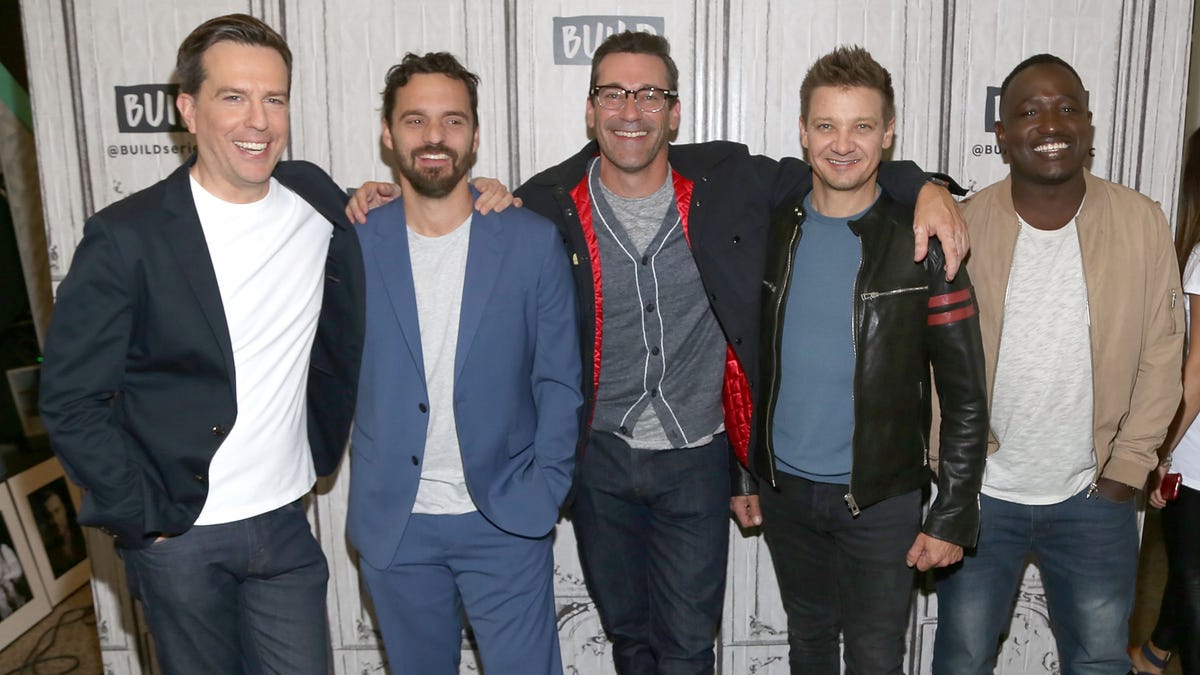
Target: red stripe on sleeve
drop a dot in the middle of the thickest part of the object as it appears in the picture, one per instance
(949, 298)
(953, 315)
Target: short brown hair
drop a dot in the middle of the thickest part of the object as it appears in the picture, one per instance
(849, 67)
(636, 42)
(433, 63)
(242, 29)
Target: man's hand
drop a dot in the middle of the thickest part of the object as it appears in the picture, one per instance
(493, 196)
(1154, 496)
(937, 215)
(928, 552)
(371, 195)
(745, 510)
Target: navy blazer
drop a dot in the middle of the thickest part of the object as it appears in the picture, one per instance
(137, 388)
(516, 387)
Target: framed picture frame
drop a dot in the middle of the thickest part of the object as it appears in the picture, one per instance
(23, 385)
(48, 504)
(23, 599)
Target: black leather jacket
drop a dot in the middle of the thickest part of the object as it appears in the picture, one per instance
(907, 317)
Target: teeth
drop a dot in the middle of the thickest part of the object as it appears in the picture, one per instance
(630, 134)
(435, 157)
(1050, 147)
(843, 162)
(251, 147)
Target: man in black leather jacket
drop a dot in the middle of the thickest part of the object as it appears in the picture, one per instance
(841, 429)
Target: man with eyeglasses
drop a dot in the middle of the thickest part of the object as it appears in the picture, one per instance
(667, 247)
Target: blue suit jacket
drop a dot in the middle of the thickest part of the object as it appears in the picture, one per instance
(517, 393)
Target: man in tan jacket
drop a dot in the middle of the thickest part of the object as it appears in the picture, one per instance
(1081, 314)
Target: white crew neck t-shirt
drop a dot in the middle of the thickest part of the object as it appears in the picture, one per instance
(269, 260)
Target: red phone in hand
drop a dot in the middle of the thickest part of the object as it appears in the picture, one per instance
(1168, 489)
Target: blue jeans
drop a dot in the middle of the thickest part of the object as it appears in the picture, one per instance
(1087, 551)
(241, 597)
(446, 564)
(653, 533)
(840, 574)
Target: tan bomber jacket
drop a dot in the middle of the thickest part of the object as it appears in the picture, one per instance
(1135, 301)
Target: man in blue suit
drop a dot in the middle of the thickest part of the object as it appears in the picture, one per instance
(469, 399)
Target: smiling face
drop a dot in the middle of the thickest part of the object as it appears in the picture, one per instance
(845, 134)
(1045, 128)
(632, 143)
(432, 134)
(240, 118)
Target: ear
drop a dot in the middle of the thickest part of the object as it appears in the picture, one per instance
(673, 118)
(803, 134)
(475, 143)
(999, 129)
(589, 115)
(889, 133)
(186, 105)
(386, 135)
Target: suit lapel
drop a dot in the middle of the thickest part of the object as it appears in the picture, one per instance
(186, 239)
(390, 259)
(484, 254)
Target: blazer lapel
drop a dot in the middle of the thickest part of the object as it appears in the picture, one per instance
(186, 239)
(484, 254)
(389, 253)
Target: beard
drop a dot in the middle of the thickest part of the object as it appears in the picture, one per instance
(437, 182)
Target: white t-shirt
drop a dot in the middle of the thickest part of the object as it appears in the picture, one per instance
(269, 259)
(1186, 456)
(1042, 395)
(439, 266)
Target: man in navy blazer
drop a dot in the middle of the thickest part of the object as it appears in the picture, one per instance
(201, 370)
(464, 439)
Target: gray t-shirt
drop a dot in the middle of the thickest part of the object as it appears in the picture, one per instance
(1042, 395)
(439, 266)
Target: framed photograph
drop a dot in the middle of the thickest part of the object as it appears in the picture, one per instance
(47, 504)
(23, 600)
(23, 385)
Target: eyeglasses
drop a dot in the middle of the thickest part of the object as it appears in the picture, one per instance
(647, 99)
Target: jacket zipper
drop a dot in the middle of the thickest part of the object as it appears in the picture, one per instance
(1087, 303)
(871, 295)
(849, 498)
(781, 300)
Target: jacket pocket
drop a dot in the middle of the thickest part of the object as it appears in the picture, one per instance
(520, 439)
(362, 444)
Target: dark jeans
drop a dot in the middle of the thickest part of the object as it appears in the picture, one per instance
(653, 532)
(241, 597)
(1086, 549)
(1178, 626)
(841, 575)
